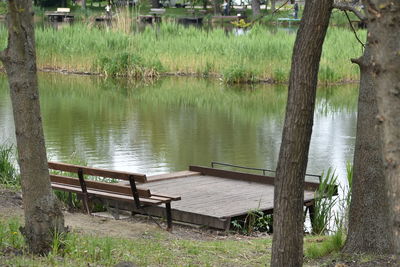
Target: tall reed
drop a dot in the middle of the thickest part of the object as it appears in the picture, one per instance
(325, 199)
(260, 53)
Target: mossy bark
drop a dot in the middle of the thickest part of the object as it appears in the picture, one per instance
(383, 39)
(43, 215)
(369, 230)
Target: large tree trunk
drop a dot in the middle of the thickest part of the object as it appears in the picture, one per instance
(43, 215)
(84, 4)
(273, 5)
(369, 212)
(384, 35)
(255, 7)
(287, 246)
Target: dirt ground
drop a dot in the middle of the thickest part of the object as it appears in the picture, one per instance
(131, 227)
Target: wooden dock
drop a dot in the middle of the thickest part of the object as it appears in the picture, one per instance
(190, 20)
(212, 197)
(149, 19)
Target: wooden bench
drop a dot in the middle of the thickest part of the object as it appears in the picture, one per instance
(157, 11)
(139, 197)
(63, 10)
(61, 14)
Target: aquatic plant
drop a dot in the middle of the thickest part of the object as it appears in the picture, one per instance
(260, 53)
(128, 65)
(255, 220)
(325, 199)
(238, 74)
(9, 175)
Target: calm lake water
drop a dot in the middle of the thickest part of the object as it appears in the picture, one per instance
(175, 122)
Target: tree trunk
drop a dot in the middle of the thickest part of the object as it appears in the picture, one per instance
(369, 212)
(287, 246)
(384, 35)
(43, 214)
(272, 5)
(255, 7)
(84, 4)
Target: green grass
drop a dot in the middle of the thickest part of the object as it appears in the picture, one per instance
(152, 249)
(9, 175)
(259, 55)
(320, 246)
(3, 8)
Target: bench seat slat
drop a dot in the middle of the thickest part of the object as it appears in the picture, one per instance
(171, 197)
(109, 195)
(97, 172)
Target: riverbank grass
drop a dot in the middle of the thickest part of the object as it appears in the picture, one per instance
(259, 55)
(158, 248)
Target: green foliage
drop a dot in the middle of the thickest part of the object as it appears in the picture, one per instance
(280, 75)
(238, 74)
(10, 236)
(316, 249)
(255, 221)
(328, 74)
(9, 175)
(128, 65)
(325, 199)
(3, 8)
(349, 172)
(260, 54)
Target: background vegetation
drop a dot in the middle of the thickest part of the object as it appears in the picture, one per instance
(171, 48)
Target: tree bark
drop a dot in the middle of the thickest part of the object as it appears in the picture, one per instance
(383, 38)
(368, 230)
(84, 4)
(255, 7)
(273, 5)
(43, 214)
(287, 246)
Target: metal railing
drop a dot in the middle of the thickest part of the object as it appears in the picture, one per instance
(213, 163)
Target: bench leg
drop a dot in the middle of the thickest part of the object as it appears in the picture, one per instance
(169, 216)
(85, 200)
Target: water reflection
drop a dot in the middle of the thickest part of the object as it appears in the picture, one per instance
(168, 125)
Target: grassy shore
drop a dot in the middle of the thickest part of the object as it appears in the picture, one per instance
(155, 248)
(171, 48)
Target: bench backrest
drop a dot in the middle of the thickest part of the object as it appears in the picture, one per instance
(141, 178)
(109, 187)
(63, 9)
